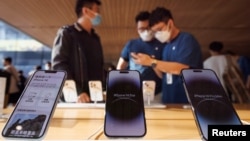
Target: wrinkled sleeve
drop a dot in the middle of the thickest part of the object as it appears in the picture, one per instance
(61, 52)
(190, 54)
(125, 51)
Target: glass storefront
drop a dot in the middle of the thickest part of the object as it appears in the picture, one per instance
(26, 53)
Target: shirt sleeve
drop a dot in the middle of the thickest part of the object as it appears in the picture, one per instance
(190, 52)
(126, 51)
(60, 52)
(244, 64)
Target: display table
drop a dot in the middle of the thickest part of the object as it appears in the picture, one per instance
(172, 122)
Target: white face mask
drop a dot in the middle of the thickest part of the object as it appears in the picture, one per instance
(163, 36)
(146, 35)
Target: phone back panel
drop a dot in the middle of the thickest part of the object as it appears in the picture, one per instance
(95, 89)
(124, 105)
(209, 101)
(69, 91)
(148, 90)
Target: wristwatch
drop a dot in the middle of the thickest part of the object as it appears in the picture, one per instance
(154, 63)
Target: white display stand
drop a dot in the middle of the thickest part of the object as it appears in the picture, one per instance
(3, 81)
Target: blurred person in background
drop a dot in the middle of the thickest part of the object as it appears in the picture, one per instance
(217, 61)
(22, 81)
(13, 92)
(35, 68)
(147, 44)
(243, 64)
(77, 48)
(47, 66)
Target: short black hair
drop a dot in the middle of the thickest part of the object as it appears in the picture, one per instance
(159, 14)
(84, 3)
(142, 16)
(216, 46)
(48, 62)
(20, 71)
(8, 59)
(38, 67)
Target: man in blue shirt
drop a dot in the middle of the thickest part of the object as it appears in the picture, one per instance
(243, 63)
(181, 51)
(145, 44)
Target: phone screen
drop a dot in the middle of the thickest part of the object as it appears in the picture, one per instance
(35, 106)
(210, 103)
(124, 105)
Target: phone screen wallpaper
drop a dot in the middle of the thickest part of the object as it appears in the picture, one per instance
(210, 102)
(124, 106)
(26, 125)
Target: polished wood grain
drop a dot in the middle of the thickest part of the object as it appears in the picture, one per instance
(169, 112)
(83, 129)
(165, 130)
(170, 123)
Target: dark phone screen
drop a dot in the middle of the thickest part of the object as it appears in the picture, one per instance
(124, 105)
(34, 109)
(211, 105)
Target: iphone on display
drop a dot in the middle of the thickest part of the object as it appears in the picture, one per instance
(125, 116)
(35, 107)
(95, 89)
(69, 91)
(148, 90)
(209, 101)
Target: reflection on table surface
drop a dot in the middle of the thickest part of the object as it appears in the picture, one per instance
(84, 121)
(102, 105)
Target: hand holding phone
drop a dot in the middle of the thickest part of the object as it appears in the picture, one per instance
(35, 107)
(209, 101)
(125, 116)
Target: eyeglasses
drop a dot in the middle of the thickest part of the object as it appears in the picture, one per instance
(163, 27)
(160, 27)
(142, 29)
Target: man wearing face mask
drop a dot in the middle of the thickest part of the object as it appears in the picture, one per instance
(181, 51)
(77, 48)
(145, 44)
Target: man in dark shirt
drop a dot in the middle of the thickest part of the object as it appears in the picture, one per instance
(77, 48)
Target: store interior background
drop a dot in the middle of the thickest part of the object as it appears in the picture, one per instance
(221, 20)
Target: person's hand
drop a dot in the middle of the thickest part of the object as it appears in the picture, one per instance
(83, 98)
(141, 59)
